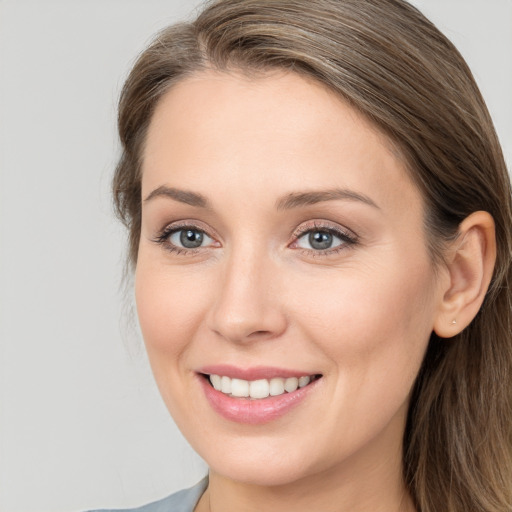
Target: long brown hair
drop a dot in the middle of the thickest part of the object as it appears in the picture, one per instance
(392, 65)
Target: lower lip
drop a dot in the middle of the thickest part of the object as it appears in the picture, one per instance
(254, 412)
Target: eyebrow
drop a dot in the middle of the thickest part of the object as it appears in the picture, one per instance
(289, 201)
(183, 196)
(298, 199)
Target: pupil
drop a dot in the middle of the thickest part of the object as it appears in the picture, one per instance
(320, 240)
(191, 239)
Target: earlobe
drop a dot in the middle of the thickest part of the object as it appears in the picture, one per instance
(470, 266)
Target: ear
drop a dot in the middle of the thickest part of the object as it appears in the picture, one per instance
(470, 265)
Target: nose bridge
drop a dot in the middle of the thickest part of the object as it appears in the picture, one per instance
(246, 306)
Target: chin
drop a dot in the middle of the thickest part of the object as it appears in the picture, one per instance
(267, 473)
(264, 463)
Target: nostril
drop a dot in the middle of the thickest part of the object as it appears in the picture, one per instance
(259, 333)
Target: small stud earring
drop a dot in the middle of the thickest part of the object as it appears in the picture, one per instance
(454, 322)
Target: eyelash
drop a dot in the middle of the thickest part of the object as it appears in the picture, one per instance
(348, 238)
(163, 238)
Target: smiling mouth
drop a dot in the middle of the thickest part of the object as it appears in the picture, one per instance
(258, 389)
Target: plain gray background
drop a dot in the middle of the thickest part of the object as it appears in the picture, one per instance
(81, 422)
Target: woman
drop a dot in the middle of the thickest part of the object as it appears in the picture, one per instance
(319, 219)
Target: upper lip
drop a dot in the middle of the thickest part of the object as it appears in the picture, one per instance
(253, 373)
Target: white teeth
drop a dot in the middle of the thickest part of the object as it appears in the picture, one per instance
(303, 381)
(239, 388)
(260, 388)
(291, 384)
(216, 381)
(276, 387)
(225, 385)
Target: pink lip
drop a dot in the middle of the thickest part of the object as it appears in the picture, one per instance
(255, 373)
(253, 412)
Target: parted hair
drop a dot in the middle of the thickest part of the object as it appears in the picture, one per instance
(398, 70)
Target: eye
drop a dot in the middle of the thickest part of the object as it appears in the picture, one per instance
(189, 238)
(318, 240)
(184, 239)
(323, 238)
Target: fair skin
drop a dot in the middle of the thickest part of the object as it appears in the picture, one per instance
(242, 271)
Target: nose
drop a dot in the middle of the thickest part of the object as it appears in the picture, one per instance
(247, 304)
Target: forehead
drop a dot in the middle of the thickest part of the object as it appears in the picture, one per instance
(266, 133)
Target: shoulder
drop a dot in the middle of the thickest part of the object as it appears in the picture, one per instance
(181, 501)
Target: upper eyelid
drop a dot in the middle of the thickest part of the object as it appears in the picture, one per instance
(184, 224)
(318, 225)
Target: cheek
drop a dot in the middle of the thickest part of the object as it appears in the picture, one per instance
(170, 308)
(374, 328)
(358, 305)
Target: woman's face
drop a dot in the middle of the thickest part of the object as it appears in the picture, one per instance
(281, 238)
